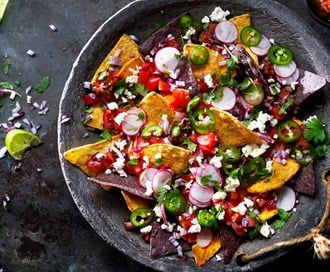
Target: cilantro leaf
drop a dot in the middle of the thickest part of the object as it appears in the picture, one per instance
(43, 84)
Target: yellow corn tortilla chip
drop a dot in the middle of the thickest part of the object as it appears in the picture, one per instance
(267, 214)
(202, 255)
(80, 155)
(282, 174)
(95, 118)
(231, 131)
(211, 67)
(155, 107)
(132, 64)
(241, 21)
(133, 202)
(128, 50)
(170, 156)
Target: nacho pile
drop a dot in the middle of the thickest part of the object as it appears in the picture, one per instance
(199, 144)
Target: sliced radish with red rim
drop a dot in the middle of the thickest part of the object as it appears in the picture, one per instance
(291, 79)
(209, 175)
(262, 48)
(200, 196)
(286, 198)
(227, 101)
(167, 59)
(205, 237)
(146, 176)
(132, 123)
(285, 70)
(161, 178)
(226, 32)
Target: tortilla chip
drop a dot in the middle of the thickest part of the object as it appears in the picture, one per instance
(95, 118)
(202, 255)
(212, 65)
(282, 174)
(231, 131)
(241, 21)
(267, 214)
(155, 107)
(304, 181)
(170, 156)
(134, 202)
(128, 50)
(80, 155)
(230, 242)
(132, 64)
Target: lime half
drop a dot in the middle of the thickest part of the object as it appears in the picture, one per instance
(17, 141)
(3, 5)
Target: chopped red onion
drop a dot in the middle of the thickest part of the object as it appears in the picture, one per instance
(65, 119)
(28, 89)
(87, 85)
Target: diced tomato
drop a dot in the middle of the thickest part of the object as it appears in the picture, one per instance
(180, 99)
(172, 43)
(185, 220)
(275, 112)
(153, 82)
(147, 69)
(91, 99)
(207, 142)
(134, 169)
(202, 86)
(95, 166)
(164, 87)
(207, 35)
(239, 229)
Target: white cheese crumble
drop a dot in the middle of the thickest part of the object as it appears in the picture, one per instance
(240, 208)
(260, 122)
(112, 106)
(219, 196)
(216, 161)
(191, 31)
(266, 230)
(146, 229)
(120, 117)
(205, 20)
(218, 14)
(208, 80)
(231, 184)
(254, 150)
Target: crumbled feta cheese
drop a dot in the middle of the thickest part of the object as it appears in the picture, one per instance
(219, 196)
(205, 20)
(240, 208)
(158, 211)
(231, 184)
(145, 162)
(120, 118)
(260, 122)
(216, 161)
(254, 150)
(218, 14)
(248, 202)
(266, 230)
(146, 229)
(208, 80)
(120, 144)
(158, 156)
(169, 227)
(118, 165)
(112, 106)
(269, 166)
(195, 228)
(191, 31)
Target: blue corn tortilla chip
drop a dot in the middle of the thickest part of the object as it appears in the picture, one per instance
(230, 242)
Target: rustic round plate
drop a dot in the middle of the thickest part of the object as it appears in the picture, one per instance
(106, 211)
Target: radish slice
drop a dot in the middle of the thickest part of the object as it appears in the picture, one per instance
(285, 70)
(228, 99)
(146, 176)
(133, 121)
(200, 196)
(226, 32)
(211, 173)
(262, 48)
(204, 238)
(166, 60)
(291, 79)
(286, 198)
(160, 179)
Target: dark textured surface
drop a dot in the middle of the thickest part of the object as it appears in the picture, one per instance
(43, 230)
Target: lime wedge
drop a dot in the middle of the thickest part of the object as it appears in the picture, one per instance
(17, 141)
(3, 5)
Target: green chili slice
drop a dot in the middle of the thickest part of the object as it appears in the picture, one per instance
(303, 155)
(253, 171)
(207, 218)
(254, 94)
(141, 217)
(202, 120)
(199, 55)
(289, 131)
(229, 153)
(280, 54)
(151, 131)
(175, 202)
(250, 36)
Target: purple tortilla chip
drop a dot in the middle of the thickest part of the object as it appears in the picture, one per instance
(304, 180)
(156, 40)
(160, 244)
(309, 83)
(127, 184)
(186, 75)
(230, 242)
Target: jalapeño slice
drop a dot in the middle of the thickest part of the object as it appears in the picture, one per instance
(280, 54)
(202, 120)
(152, 131)
(253, 171)
(175, 202)
(141, 217)
(303, 155)
(229, 153)
(250, 36)
(289, 131)
(207, 218)
(199, 55)
(254, 94)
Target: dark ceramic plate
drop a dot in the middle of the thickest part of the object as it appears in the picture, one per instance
(317, 12)
(106, 211)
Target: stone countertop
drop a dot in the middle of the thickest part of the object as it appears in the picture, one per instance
(41, 229)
